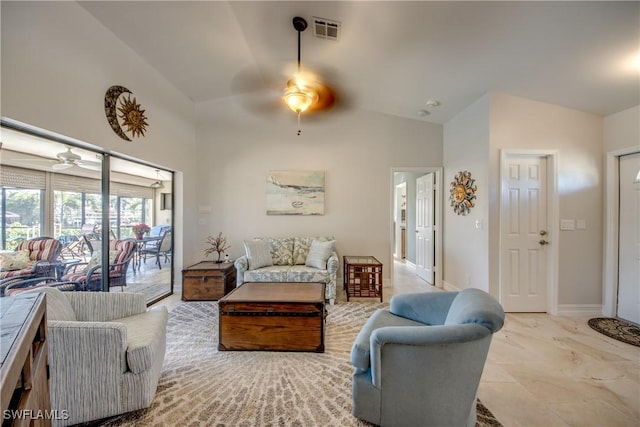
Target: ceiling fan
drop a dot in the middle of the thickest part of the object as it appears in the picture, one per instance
(303, 92)
(69, 159)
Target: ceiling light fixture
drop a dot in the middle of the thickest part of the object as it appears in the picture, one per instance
(432, 103)
(299, 95)
(157, 184)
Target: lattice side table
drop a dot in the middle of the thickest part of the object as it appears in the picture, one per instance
(362, 277)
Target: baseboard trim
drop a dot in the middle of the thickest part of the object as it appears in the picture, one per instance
(594, 310)
(449, 287)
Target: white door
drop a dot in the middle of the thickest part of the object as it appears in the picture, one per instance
(399, 219)
(629, 239)
(524, 237)
(424, 228)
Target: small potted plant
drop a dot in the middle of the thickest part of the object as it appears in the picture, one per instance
(140, 229)
(217, 244)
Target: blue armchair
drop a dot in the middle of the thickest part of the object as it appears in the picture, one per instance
(420, 362)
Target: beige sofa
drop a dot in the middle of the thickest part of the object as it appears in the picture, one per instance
(290, 259)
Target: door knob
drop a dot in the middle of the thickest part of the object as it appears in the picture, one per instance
(543, 232)
(543, 242)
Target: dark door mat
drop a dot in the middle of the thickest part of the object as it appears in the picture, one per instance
(617, 329)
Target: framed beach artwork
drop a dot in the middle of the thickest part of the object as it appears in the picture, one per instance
(295, 193)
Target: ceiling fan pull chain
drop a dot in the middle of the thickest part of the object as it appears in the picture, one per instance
(299, 131)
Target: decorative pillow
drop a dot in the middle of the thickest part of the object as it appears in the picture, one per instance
(14, 260)
(319, 253)
(301, 247)
(96, 258)
(258, 253)
(282, 250)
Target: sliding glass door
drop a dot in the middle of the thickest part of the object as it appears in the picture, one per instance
(49, 188)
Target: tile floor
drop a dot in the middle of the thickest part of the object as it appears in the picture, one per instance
(546, 370)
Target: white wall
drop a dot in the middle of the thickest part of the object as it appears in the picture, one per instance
(519, 123)
(473, 140)
(356, 149)
(622, 130)
(466, 147)
(57, 64)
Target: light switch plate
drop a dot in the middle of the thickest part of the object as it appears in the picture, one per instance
(567, 224)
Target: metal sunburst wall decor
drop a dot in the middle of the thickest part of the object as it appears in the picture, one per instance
(129, 111)
(462, 192)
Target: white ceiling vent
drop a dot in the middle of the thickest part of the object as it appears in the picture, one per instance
(325, 28)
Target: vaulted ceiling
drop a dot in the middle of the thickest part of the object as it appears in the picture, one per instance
(391, 57)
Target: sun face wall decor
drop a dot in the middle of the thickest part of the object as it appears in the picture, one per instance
(130, 113)
(462, 192)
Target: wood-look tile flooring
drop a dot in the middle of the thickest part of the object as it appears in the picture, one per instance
(545, 370)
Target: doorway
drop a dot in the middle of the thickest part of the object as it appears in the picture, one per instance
(628, 302)
(622, 258)
(404, 181)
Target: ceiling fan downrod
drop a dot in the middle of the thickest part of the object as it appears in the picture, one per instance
(300, 24)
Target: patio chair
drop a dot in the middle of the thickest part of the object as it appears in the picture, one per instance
(71, 246)
(32, 258)
(162, 248)
(16, 285)
(156, 231)
(89, 275)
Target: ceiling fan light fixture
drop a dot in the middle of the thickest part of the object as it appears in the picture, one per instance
(299, 99)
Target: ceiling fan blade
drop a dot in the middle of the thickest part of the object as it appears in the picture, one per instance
(89, 164)
(61, 166)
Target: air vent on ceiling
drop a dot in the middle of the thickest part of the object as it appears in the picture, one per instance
(325, 28)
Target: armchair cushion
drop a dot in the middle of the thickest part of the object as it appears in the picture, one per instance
(430, 308)
(143, 331)
(58, 306)
(41, 248)
(96, 259)
(94, 307)
(319, 253)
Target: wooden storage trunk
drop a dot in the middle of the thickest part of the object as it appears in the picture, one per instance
(207, 281)
(273, 316)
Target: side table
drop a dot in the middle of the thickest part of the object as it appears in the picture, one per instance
(208, 280)
(362, 277)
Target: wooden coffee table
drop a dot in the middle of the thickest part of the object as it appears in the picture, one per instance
(273, 317)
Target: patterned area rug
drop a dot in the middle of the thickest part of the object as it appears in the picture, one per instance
(201, 386)
(617, 329)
